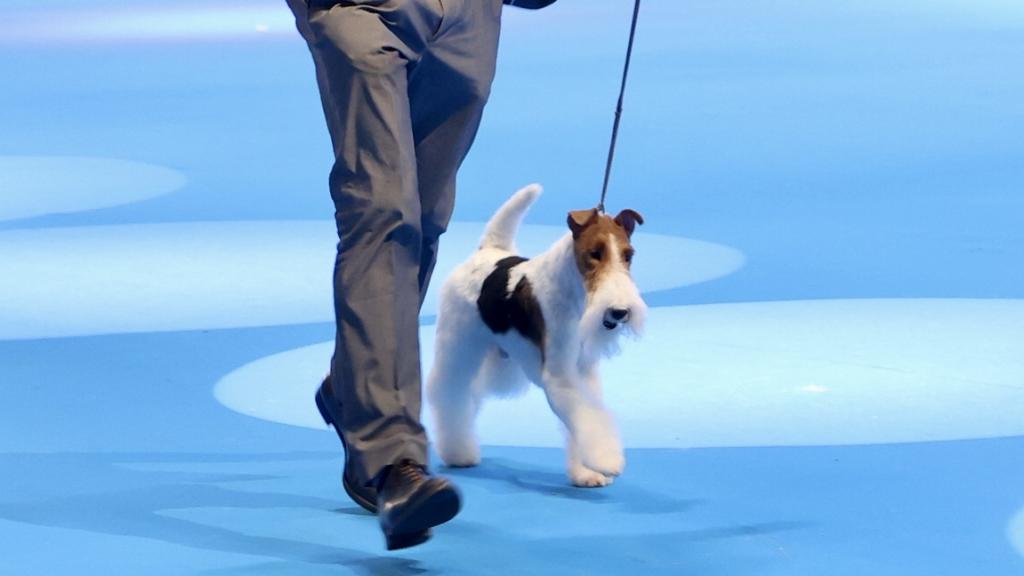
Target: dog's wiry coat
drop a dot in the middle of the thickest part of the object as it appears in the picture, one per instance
(505, 320)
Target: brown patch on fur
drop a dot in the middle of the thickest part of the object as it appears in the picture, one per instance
(593, 233)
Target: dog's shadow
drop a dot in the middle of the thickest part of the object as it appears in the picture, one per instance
(526, 478)
(500, 473)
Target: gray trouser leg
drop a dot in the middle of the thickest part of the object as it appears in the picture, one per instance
(448, 91)
(403, 84)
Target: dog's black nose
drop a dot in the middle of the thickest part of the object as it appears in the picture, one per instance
(619, 313)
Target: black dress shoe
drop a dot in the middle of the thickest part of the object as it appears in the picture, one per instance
(365, 496)
(411, 501)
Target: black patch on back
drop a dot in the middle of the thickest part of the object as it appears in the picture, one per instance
(502, 311)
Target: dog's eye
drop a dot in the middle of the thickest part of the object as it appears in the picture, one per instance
(628, 256)
(596, 255)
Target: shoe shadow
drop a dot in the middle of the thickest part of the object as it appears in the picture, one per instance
(354, 511)
(185, 500)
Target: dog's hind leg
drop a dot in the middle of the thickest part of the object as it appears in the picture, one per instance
(500, 376)
(453, 401)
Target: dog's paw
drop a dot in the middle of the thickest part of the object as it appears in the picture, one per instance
(585, 478)
(459, 455)
(609, 459)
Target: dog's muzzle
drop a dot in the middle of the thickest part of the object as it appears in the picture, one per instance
(615, 316)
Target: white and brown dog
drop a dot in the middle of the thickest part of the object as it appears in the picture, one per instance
(505, 320)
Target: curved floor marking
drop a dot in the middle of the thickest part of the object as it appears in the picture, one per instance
(207, 275)
(40, 185)
(142, 23)
(1015, 531)
(756, 374)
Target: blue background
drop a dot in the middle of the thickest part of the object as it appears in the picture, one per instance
(862, 149)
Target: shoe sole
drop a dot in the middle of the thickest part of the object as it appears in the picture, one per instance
(425, 512)
(361, 500)
(399, 541)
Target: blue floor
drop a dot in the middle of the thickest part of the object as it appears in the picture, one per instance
(833, 382)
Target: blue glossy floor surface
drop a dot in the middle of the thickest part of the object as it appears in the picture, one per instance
(832, 382)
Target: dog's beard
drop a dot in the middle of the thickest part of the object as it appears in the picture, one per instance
(616, 291)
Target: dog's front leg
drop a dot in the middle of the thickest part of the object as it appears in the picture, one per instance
(593, 438)
(579, 474)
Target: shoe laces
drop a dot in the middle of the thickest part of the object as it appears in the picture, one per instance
(405, 472)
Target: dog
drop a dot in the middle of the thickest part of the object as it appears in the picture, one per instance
(505, 321)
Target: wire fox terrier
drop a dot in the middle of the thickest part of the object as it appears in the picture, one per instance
(505, 320)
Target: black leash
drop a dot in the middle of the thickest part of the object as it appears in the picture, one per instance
(618, 109)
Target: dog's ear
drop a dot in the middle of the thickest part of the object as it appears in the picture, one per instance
(579, 219)
(628, 219)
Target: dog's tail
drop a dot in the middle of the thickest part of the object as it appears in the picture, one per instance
(501, 230)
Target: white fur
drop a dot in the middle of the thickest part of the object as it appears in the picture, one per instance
(471, 362)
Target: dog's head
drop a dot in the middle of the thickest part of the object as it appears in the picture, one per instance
(604, 255)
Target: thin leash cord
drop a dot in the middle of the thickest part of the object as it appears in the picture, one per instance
(618, 108)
